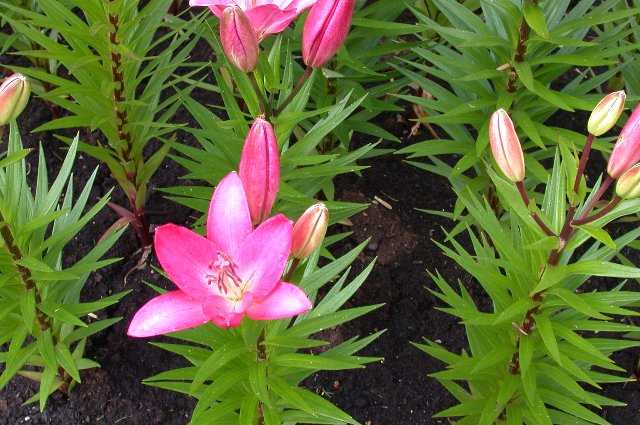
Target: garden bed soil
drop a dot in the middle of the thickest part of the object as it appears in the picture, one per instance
(395, 392)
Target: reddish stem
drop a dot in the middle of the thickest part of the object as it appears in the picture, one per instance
(604, 211)
(584, 158)
(534, 215)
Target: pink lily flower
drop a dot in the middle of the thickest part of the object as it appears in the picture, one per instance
(233, 272)
(266, 16)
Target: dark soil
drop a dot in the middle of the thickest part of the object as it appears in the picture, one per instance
(396, 392)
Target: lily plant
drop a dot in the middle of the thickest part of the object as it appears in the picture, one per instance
(239, 290)
(543, 351)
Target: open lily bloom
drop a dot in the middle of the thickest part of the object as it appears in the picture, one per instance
(233, 272)
(266, 16)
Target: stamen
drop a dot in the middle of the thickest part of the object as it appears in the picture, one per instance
(223, 271)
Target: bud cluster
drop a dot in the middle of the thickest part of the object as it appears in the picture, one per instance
(243, 25)
(260, 176)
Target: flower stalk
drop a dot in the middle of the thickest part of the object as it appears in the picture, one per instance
(296, 89)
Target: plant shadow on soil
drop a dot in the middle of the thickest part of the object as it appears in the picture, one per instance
(394, 392)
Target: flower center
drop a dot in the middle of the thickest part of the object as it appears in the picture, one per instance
(225, 277)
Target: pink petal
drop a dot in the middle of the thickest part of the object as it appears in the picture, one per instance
(170, 312)
(186, 256)
(263, 255)
(626, 152)
(225, 313)
(229, 221)
(301, 5)
(285, 301)
(270, 19)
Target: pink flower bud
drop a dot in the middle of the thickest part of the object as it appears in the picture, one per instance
(606, 113)
(626, 152)
(309, 231)
(239, 39)
(14, 95)
(505, 146)
(628, 185)
(326, 30)
(260, 169)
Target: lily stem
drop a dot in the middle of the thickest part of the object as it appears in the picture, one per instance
(567, 230)
(294, 266)
(265, 107)
(584, 158)
(296, 89)
(604, 211)
(525, 198)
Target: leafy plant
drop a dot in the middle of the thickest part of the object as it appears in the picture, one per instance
(315, 113)
(541, 351)
(43, 325)
(254, 371)
(522, 57)
(245, 277)
(115, 74)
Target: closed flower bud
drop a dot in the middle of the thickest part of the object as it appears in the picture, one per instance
(505, 146)
(606, 113)
(14, 95)
(626, 152)
(260, 169)
(628, 185)
(309, 231)
(239, 39)
(325, 30)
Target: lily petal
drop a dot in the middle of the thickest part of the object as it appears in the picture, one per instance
(186, 256)
(285, 301)
(229, 221)
(263, 255)
(170, 312)
(270, 19)
(225, 313)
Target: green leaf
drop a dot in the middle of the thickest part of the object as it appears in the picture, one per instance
(543, 324)
(66, 360)
(578, 303)
(315, 362)
(218, 359)
(535, 18)
(599, 234)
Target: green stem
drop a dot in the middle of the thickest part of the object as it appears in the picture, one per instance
(265, 106)
(294, 266)
(303, 79)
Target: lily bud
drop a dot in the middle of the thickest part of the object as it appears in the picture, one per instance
(626, 152)
(628, 185)
(325, 30)
(606, 113)
(260, 169)
(14, 95)
(309, 231)
(505, 146)
(239, 39)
